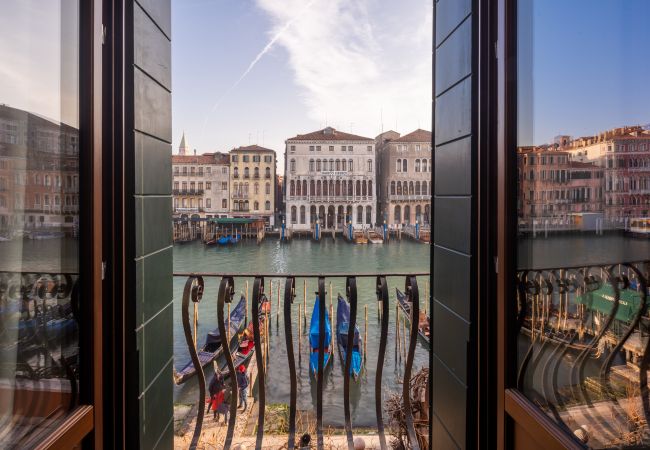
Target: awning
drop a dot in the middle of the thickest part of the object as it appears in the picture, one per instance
(602, 300)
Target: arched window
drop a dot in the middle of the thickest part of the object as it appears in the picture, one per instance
(405, 188)
(312, 187)
(405, 166)
(267, 205)
(427, 214)
(399, 165)
(418, 213)
(368, 215)
(337, 188)
(235, 172)
(318, 167)
(424, 165)
(331, 164)
(407, 214)
(312, 213)
(292, 189)
(424, 188)
(397, 218)
(359, 214)
(392, 188)
(256, 206)
(302, 214)
(350, 193)
(325, 190)
(256, 188)
(364, 188)
(267, 172)
(417, 188)
(370, 165)
(293, 214)
(344, 165)
(350, 166)
(417, 165)
(246, 205)
(292, 166)
(369, 188)
(268, 189)
(338, 165)
(304, 188)
(256, 172)
(311, 165)
(246, 172)
(298, 188)
(358, 188)
(411, 188)
(318, 188)
(245, 188)
(399, 188)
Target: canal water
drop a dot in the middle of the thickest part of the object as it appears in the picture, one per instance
(305, 256)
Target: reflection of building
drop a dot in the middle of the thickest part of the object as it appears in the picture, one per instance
(279, 199)
(200, 184)
(623, 154)
(608, 173)
(330, 176)
(252, 183)
(404, 176)
(39, 181)
(553, 186)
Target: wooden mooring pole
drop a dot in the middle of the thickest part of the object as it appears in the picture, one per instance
(365, 334)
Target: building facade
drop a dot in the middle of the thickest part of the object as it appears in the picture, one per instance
(554, 187)
(39, 180)
(623, 154)
(330, 176)
(252, 183)
(404, 177)
(200, 185)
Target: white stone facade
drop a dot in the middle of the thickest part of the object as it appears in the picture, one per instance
(330, 176)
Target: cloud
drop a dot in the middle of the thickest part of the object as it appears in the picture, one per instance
(354, 59)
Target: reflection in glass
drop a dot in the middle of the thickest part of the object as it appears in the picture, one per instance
(39, 207)
(584, 217)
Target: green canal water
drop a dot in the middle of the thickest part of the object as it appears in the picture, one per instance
(305, 256)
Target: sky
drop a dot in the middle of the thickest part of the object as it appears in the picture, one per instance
(590, 68)
(262, 71)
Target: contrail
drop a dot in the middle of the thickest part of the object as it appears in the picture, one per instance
(265, 50)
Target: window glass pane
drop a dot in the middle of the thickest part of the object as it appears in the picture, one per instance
(39, 217)
(583, 215)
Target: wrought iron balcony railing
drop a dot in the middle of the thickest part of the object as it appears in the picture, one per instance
(587, 333)
(193, 294)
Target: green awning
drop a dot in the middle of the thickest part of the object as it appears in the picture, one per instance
(231, 220)
(602, 300)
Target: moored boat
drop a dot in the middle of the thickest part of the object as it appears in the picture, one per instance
(223, 240)
(314, 334)
(342, 331)
(234, 239)
(424, 320)
(375, 238)
(213, 346)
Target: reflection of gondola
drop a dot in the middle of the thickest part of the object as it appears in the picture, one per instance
(213, 343)
(342, 330)
(235, 239)
(314, 334)
(424, 320)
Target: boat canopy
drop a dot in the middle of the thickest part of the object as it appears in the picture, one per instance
(314, 328)
(236, 319)
(343, 320)
(602, 300)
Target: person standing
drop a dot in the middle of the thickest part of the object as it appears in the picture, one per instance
(242, 383)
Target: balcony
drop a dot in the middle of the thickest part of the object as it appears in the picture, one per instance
(187, 192)
(409, 197)
(414, 412)
(240, 196)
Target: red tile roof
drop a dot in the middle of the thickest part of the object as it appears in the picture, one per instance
(329, 134)
(418, 135)
(252, 148)
(206, 158)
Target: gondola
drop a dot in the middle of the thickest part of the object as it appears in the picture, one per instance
(313, 340)
(223, 240)
(213, 343)
(424, 320)
(342, 329)
(210, 242)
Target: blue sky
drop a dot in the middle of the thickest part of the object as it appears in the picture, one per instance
(591, 66)
(337, 62)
